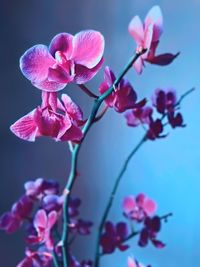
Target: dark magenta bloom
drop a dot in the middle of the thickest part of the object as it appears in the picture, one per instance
(74, 205)
(36, 259)
(80, 226)
(113, 237)
(175, 119)
(164, 101)
(68, 59)
(149, 233)
(138, 115)
(155, 129)
(123, 97)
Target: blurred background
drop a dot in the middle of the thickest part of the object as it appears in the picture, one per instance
(167, 170)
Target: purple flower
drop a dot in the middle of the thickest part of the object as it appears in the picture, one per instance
(74, 204)
(80, 226)
(113, 237)
(123, 97)
(68, 59)
(151, 227)
(164, 101)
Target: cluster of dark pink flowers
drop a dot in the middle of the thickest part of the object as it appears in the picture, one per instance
(139, 210)
(40, 209)
(77, 59)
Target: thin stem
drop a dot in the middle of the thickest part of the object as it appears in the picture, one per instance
(55, 262)
(184, 95)
(101, 114)
(112, 196)
(75, 152)
(87, 91)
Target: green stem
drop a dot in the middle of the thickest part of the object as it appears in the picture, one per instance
(75, 152)
(55, 262)
(112, 196)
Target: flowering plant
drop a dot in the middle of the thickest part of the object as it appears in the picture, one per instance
(51, 214)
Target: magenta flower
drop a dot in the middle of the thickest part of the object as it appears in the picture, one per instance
(147, 36)
(43, 225)
(134, 263)
(68, 59)
(11, 221)
(39, 188)
(151, 227)
(113, 237)
(36, 259)
(164, 101)
(138, 115)
(55, 119)
(138, 208)
(124, 97)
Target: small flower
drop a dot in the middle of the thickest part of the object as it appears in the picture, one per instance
(68, 59)
(147, 36)
(164, 101)
(40, 187)
(36, 259)
(55, 119)
(74, 204)
(80, 226)
(113, 237)
(138, 208)
(175, 119)
(138, 115)
(52, 202)
(12, 221)
(43, 225)
(123, 97)
(134, 263)
(151, 227)
(155, 129)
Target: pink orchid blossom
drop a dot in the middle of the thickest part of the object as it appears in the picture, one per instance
(138, 208)
(124, 97)
(147, 36)
(133, 263)
(68, 59)
(54, 118)
(43, 225)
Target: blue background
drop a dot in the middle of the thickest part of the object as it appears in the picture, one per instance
(167, 170)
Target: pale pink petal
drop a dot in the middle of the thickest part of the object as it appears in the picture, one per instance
(149, 206)
(49, 86)
(52, 219)
(148, 39)
(26, 127)
(65, 125)
(88, 48)
(138, 65)
(136, 30)
(35, 63)
(62, 42)
(84, 74)
(155, 18)
(131, 262)
(40, 220)
(109, 76)
(71, 108)
(129, 204)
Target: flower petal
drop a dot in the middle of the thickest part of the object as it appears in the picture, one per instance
(138, 65)
(163, 59)
(59, 75)
(74, 134)
(136, 30)
(84, 74)
(129, 204)
(71, 108)
(52, 218)
(155, 18)
(88, 48)
(40, 220)
(49, 86)
(149, 206)
(131, 262)
(62, 42)
(26, 127)
(35, 63)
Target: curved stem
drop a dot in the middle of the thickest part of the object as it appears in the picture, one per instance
(55, 262)
(75, 152)
(112, 196)
(87, 91)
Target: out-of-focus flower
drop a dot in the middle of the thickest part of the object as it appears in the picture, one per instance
(164, 100)
(43, 224)
(147, 36)
(55, 119)
(138, 208)
(123, 97)
(134, 263)
(36, 259)
(151, 227)
(40, 188)
(80, 226)
(11, 221)
(52, 202)
(74, 204)
(113, 237)
(138, 115)
(175, 119)
(155, 129)
(68, 59)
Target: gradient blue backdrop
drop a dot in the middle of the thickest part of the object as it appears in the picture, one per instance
(167, 170)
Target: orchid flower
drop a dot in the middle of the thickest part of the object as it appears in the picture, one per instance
(53, 118)
(123, 97)
(68, 59)
(43, 225)
(147, 36)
